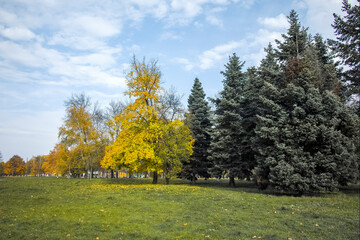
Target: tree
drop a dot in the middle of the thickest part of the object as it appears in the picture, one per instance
(176, 143)
(80, 135)
(135, 144)
(114, 109)
(305, 135)
(2, 167)
(198, 120)
(226, 147)
(15, 166)
(34, 165)
(147, 138)
(347, 47)
(56, 162)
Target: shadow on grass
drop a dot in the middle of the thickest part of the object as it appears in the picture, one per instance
(241, 186)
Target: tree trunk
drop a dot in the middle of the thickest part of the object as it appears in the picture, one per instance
(232, 182)
(155, 177)
(193, 179)
(112, 173)
(91, 173)
(167, 180)
(117, 174)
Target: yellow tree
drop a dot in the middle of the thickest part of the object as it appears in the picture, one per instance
(79, 135)
(15, 166)
(141, 142)
(34, 165)
(135, 145)
(56, 161)
(176, 143)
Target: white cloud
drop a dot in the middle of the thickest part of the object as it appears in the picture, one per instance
(210, 57)
(262, 37)
(17, 33)
(278, 22)
(188, 66)
(169, 36)
(8, 18)
(319, 15)
(93, 26)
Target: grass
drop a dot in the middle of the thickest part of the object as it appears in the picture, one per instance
(51, 208)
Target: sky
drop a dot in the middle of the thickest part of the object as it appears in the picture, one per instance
(51, 49)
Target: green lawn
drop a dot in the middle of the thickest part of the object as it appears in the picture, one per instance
(60, 208)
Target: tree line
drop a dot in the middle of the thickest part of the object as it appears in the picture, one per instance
(292, 123)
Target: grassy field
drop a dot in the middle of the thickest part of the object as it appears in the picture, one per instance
(51, 208)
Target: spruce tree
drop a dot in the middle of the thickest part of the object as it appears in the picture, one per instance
(198, 120)
(227, 142)
(304, 134)
(347, 47)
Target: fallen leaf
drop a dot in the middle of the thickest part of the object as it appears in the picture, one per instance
(68, 235)
(253, 237)
(185, 224)
(316, 225)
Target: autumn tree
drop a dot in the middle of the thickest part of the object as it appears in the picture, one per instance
(15, 166)
(135, 145)
(176, 142)
(2, 165)
(56, 162)
(138, 145)
(79, 135)
(34, 165)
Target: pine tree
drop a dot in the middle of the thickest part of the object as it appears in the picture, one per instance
(304, 134)
(227, 141)
(198, 120)
(251, 104)
(347, 47)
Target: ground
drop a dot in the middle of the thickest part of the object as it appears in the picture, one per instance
(61, 208)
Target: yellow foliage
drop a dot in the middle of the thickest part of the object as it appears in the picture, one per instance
(146, 142)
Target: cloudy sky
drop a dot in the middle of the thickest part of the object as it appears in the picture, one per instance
(50, 49)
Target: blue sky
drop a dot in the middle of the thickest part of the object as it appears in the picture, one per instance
(51, 49)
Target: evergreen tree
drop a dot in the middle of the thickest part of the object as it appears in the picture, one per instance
(198, 120)
(251, 104)
(292, 48)
(323, 66)
(227, 141)
(304, 138)
(347, 47)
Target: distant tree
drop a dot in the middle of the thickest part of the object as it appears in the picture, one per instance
(114, 110)
(2, 168)
(80, 135)
(56, 162)
(34, 165)
(198, 120)
(227, 145)
(347, 48)
(15, 166)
